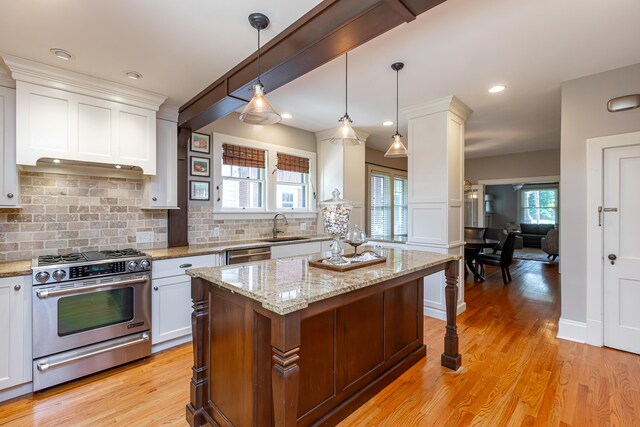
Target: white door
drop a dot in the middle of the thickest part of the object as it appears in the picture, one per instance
(171, 308)
(622, 248)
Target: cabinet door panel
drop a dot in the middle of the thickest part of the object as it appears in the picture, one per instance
(296, 249)
(11, 332)
(9, 188)
(48, 128)
(171, 310)
(134, 128)
(94, 130)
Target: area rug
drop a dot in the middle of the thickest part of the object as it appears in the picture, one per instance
(532, 254)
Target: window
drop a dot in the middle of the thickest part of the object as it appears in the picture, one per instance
(388, 204)
(242, 172)
(539, 205)
(259, 179)
(292, 181)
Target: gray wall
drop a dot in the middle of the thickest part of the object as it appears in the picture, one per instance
(520, 165)
(505, 204)
(377, 157)
(584, 115)
(274, 134)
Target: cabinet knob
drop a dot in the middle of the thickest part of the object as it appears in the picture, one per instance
(155, 199)
(10, 195)
(155, 288)
(17, 287)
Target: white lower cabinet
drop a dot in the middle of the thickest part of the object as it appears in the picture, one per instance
(171, 304)
(15, 331)
(171, 308)
(296, 249)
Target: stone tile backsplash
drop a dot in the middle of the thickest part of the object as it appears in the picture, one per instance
(68, 213)
(202, 225)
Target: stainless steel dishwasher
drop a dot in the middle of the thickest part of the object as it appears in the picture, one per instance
(248, 255)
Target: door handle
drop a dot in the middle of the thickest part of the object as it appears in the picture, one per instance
(612, 258)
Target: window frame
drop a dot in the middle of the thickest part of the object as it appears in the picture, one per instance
(306, 184)
(530, 187)
(269, 202)
(392, 173)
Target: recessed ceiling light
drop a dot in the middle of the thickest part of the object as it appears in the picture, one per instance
(118, 167)
(387, 123)
(134, 75)
(497, 89)
(56, 160)
(62, 54)
(286, 115)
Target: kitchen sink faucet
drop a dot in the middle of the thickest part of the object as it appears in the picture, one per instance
(275, 224)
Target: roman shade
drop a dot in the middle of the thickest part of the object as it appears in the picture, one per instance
(287, 162)
(236, 155)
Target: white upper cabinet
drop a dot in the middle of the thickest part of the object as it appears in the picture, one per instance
(9, 188)
(161, 190)
(70, 116)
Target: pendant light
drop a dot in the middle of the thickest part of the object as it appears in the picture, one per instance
(397, 148)
(346, 134)
(259, 111)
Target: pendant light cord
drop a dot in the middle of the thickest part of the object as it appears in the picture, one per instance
(259, 56)
(397, 97)
(346, 86)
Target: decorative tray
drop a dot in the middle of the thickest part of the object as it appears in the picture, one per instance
(324, 263)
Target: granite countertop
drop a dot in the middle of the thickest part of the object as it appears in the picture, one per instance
(193, 250)
(289, 284)
(15, 268)
(23, 267)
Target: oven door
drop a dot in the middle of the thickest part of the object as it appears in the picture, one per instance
(76, 314)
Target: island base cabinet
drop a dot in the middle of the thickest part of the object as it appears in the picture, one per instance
(310, 367)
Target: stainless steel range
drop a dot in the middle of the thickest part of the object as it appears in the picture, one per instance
(91, 311)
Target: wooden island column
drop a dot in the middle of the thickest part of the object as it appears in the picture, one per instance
(280, 343)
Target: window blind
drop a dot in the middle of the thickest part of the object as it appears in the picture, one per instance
(287, 162)
(400, 207)
(380, 205)
(236, 155)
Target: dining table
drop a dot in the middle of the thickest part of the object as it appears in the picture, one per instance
(472, 248)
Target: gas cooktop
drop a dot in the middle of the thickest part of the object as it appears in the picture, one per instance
(77, 257)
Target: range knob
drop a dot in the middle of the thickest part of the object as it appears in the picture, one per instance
(132, 265)
(59, 275)
(144, 264)
(42, 277)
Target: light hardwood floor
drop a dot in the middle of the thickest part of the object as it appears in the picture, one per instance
(515, 372)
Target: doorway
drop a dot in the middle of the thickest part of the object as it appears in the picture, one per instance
(613, 264)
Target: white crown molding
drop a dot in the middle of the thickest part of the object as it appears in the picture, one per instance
(326, 134)
(24, 70)
(5, 79)
(448, 103)
(168, 112)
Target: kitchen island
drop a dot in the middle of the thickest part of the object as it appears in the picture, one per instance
(281, 343)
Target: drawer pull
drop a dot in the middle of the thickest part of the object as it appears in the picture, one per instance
(186, 265)
(10, 195)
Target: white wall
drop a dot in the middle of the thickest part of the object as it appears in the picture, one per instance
(520, 165)
(585, 115)
(278, 134)
(376, 157)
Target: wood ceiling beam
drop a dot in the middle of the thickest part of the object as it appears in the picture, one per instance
(329, 30)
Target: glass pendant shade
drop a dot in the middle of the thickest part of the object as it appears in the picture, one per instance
(397, 148)
(259, 111)
(345, 133)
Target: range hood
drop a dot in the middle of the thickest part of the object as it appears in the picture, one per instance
(82, 120)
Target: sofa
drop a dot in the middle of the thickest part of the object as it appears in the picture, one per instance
(532, 234)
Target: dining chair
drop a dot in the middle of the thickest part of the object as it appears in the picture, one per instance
(503, 260)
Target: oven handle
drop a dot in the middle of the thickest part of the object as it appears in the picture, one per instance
(45, 293)
(45, 366)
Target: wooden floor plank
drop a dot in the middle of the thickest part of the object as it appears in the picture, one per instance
(515, 372)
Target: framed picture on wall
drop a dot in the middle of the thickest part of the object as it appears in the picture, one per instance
(200, 166)
(200, 143)
(198, 190)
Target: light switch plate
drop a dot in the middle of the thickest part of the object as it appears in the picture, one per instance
(216, 232)
(303, 226)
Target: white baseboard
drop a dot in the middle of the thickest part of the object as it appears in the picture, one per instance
(572, 330)
(171, 343)
(16, 391)
(438, 313)
(595, 333)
